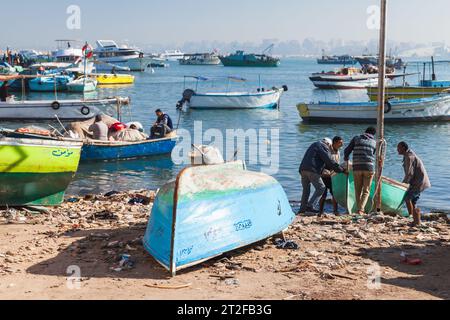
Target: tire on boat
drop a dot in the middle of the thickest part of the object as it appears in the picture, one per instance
(85, 110)
(56, 105)
(387, 107)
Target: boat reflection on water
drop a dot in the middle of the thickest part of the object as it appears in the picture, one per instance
(102, 177)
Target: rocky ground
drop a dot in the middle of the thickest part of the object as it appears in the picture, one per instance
(91, 248)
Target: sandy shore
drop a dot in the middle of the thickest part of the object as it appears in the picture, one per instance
(337, 258)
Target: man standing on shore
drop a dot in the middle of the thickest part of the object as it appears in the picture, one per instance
(364, 148)
(417, 178)
(327, 175)
(316, 159)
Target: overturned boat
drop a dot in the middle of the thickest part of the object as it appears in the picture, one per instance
(393, 194)
(210, 210)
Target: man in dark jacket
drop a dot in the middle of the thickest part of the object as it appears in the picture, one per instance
(316, 159)
(416, 176)
(364, 148)
(162, 126)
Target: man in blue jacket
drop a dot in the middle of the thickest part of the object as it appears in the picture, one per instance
(316, 159)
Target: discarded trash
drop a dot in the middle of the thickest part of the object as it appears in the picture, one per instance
(232, 282)
(289, 244)
(169, 287)
(126, 262)
(73, 200)
(111, 193)
(410, 261)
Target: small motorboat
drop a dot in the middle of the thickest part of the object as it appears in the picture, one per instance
(260, 99)
(50, 83)
(436, 108)
(83, 84)
(36, 172)
(393, 194)
(113, 79)
(210, 210)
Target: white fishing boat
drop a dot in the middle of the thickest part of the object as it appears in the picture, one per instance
(83, 84)
(172, 55)
(200, 59)
(345, 78)
(109, 53)
(64, 110)
(436, 108)
(259, 99)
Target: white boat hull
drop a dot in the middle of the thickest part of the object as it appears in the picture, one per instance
(420, 110)
(68, 110)
(269, 99)
(133, 64)
(357, 84)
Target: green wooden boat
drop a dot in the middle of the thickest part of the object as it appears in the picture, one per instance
(393, 194)
(36, 172)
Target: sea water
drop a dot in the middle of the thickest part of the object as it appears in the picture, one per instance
(163, 89)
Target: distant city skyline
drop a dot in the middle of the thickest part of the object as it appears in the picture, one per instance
(176, 23)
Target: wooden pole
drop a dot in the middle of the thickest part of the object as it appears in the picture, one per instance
(381, 101)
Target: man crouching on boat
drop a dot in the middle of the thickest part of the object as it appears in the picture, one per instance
(162, 126)
(417, 178)
(316, 159)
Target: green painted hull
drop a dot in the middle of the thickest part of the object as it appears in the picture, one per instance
(393, 194)
(249, 63)
(38, 189)
(36, 172)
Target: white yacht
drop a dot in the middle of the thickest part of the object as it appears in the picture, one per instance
(110, 55)
(173, 55)
(69, 55)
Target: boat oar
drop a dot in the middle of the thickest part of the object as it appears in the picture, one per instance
(60, 123)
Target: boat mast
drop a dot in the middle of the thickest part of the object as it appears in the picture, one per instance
(381, 98)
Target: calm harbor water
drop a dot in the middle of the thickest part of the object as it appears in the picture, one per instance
(163, 89)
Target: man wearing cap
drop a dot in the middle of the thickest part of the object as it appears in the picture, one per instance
(162, 126)
(316, 159)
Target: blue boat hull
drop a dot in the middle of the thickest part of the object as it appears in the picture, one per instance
(185, 230)
(105, 152)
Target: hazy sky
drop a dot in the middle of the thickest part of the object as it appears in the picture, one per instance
(30, 23)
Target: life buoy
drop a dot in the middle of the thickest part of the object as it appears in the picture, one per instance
(56, 105)
(387, 107)
(85, 110)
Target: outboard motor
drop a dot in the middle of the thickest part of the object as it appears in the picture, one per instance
(187, 95)
(285, 88)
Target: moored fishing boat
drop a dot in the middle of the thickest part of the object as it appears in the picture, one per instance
(64, 110)
(83, 84)
(119, 150)
(113, 79)
(200, 59)
(210, 210)
(36, 172)
(260, 99)
(344, 59)
(240, 59)
(347, 78)
(436, 108)
(50, 83)
(393, 194)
